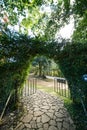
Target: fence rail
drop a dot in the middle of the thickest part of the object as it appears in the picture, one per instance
(8, 99)
(61, 87)
(30, 87)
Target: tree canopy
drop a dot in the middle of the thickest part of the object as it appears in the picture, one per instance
(43, 18)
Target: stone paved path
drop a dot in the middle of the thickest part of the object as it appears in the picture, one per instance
(44, 112)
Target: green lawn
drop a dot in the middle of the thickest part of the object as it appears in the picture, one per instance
(46, 89)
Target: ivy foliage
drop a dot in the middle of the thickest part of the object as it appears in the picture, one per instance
(80, 33)
(73, 63)
(80, 7)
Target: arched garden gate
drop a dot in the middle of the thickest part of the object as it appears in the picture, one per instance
(72, 72)
(51, 50)
(24, 49)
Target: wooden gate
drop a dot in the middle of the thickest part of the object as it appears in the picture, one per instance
(30, 87)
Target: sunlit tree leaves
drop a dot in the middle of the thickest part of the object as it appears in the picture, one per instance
(80, 34)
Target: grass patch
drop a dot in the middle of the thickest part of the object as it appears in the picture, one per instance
(63, 92)
(48, 90)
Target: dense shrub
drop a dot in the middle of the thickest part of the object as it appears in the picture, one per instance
(73, 63)
(14, 64)
(12, 76)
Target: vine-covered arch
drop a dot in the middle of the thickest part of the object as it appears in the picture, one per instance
(17, 52)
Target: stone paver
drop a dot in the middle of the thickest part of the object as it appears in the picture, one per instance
(44, 112)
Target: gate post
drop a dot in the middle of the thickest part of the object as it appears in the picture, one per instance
(54, 84)
(16, 96)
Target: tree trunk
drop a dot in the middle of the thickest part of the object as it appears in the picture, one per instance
(40, 69)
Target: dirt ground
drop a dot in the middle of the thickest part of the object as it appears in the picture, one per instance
(43, 82)
(46, 82)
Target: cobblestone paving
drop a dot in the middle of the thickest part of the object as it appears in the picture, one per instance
(44, 112)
